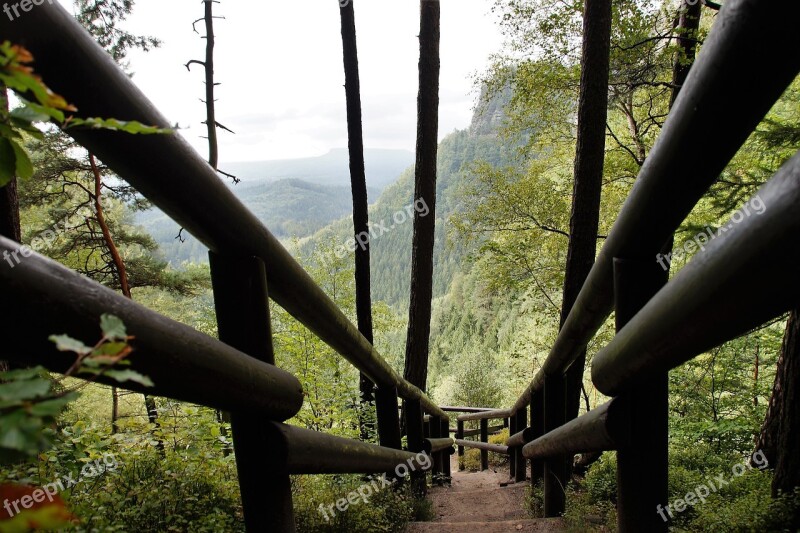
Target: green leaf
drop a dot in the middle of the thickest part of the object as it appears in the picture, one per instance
(132, 127)
(129, 375)
(8, 162)
(24, 165)
(65, 343)
(113, 328)
(26, 389)
(28, 113)
(9, 132)
(55, 114)
(23, 373)
(54, 407)
(107, 351)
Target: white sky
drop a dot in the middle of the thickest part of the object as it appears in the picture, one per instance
(280, 63)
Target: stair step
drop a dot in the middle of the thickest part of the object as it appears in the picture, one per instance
(534, 525)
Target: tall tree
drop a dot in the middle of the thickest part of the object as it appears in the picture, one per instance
(419, 313)
(358, 185)
(588, 177)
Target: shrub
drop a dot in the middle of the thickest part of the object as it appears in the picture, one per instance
(387, 510)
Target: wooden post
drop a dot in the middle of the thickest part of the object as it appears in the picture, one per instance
(435, 426)
(446, 470)
(521, 471)
(512, 456)
(242, 307)
(555, 468)
(460, 436)
(414, 427)
(484, 438)
(642, 467)
(537, 424)
(388, 417)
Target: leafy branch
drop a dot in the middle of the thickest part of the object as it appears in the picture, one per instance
(39, 104)
(31, 401)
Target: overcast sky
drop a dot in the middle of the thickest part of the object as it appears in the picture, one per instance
(280, 65)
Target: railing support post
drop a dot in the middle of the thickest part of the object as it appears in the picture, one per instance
(460, 436)
(415, 431)
(521, 464)
(435, 428)
(642, 467)
(513, 427)
(484, 438)
(242, 308)
(537, 424)
(388, 417)
(446, 469)
(555, 468)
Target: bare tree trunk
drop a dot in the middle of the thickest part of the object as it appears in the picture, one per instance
(114, 410)
(211, 114)
(122, 276)
(589, 161)
(419, 314)
(419, 311)
(358, 183)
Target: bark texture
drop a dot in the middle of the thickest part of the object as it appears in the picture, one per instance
(419, 316)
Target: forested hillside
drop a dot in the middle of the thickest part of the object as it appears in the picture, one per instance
(390, 246)
(288, 207)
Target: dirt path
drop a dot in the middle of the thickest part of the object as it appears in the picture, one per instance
(476, 502)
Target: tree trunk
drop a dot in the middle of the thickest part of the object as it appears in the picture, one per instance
(358, 183)
(122, 276)
(589, 161)
(9, 208)
(780, 433)
(688, 25)
(787, 382)
(9, 202)
(211, 118)
(419, 314)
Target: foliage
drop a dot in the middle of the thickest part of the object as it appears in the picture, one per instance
(30, 401)
(103, 18)
(471, 460)
(16, 73)
(388, 510)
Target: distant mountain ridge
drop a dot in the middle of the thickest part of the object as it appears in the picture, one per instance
(333, 168)
(288, 207)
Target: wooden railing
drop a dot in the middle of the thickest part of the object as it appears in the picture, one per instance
(248, 266)
(741, 279)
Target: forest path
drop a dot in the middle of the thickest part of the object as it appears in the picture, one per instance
(482, 502)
